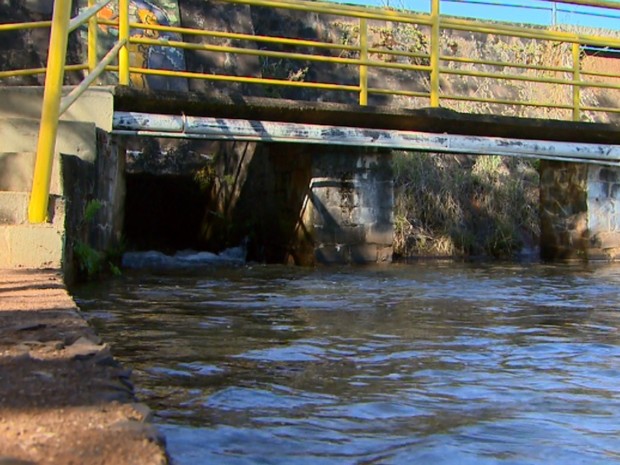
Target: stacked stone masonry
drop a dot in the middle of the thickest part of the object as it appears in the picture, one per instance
(580, 211)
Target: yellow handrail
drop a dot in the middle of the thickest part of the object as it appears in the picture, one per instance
(39, 197)
(53, 104)
(432, 61)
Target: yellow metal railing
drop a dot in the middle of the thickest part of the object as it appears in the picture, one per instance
(438, 69)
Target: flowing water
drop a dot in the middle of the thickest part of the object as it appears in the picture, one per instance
(427, 363)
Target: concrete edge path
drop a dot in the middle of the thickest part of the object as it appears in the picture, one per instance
(63, 398)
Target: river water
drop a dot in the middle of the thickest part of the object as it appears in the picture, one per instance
(424, 363)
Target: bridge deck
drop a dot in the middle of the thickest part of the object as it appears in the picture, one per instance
(426, 120)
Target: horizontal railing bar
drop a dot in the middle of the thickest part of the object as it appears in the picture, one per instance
(553, 36)
(273, 40)
(239, 36)
(505, 64)
(29, 25)
(600, 109)
(36, 71)
(517, 77)
(275, 54)
(404, 93)
(244, 79)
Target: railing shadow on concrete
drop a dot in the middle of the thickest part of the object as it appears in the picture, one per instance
(370, 44)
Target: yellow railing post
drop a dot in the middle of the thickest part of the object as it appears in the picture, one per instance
(435, 53)
(576, 78)
(123, 37)
(364, 58)
(39, 197)
(92, 39)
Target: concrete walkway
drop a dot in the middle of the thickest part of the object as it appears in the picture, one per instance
(63, 398)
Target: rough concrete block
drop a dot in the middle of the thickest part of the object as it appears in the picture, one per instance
(13, 207)
(384, 254)
(350, 234)
(364, 253)
(380, 233)
(598, 190)
(324, 234)
(74, 138)
(16, 172)
(599, 214)
(31, 246)
(606, 240)
(96, 105)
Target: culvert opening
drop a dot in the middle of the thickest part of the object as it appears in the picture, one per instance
(163, 212)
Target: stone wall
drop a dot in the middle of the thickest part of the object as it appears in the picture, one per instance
(86, 181)
(580, 215)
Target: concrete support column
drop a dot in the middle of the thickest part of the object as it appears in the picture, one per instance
(580, 211)
(349, 209)
(305, 204)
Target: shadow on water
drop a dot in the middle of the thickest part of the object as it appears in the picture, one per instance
(423, 363)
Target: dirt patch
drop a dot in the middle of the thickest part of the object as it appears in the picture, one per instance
(63, 398)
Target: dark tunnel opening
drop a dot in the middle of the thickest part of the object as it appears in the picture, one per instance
(163, 212)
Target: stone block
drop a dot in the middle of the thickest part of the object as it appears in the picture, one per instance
(350, 234)
(364, 253)
(31, 246)
(325, 234)
(16, 170)
(599, 214)
(385, 254)
(20, 135)
(380, 233)
(13, 207)
(598, 190)
(606, 240)
(96, 105)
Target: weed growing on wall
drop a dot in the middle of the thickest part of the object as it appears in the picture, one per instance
(91, 263)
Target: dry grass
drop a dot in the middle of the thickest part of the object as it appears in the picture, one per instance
(449, 205)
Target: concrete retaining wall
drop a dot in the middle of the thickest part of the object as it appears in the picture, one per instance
(580, 211)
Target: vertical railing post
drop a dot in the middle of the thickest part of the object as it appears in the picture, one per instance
(92, 39)
(435, 53)
(46, 144)
(123, 36)
(576, 79)
(363, 58)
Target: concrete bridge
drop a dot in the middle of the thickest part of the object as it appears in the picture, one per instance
(312, 179)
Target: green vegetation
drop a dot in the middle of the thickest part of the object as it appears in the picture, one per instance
(92, 263)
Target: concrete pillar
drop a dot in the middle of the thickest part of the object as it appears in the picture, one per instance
(306, 204)
(580, 211)
(349, 207)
